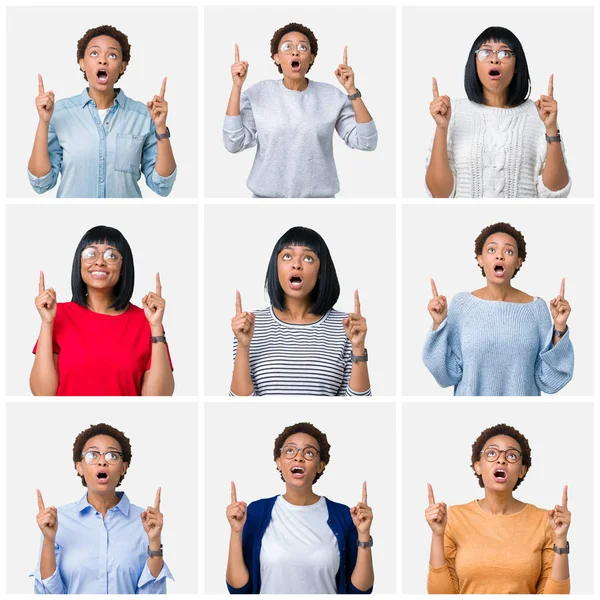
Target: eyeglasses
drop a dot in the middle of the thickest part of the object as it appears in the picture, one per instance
(288, 47)
(308, 452)
(90, 255)
(493, 454)
(503, 55)
(112, 457)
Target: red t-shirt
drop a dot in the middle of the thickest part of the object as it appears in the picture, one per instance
(100, 355)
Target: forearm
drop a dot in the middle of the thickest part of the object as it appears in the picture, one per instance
(363, 576)
(439, 177)
(43, 380)
(241, 382)
(159, 379)
(560, 562)
(361, 114)
(437, 558)
(233, 106)
(155, 563)
(48, 559)
(555, 175)
(359, 377)
(165, 161)
(237, 575)
(39, 162)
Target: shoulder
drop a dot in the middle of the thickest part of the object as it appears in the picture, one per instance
(463, 509)
(67, 104)
(68, 509)
(135, 106)
(260, 507)
(336, 508)
(69, 308)
(536, 515)
(327, 89)
(265, 87)
(462, 300)
(539, 307)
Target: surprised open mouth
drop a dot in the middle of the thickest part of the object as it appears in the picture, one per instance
(297, 472)
(102, 477)
(295, 64)
(494, 73)
(102, 76)
(500, 475)
(499, 271)
(296, 282)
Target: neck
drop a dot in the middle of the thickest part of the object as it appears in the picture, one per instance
(99, 301)
(300, 496)
(298, 85)
(496, 99)
(297, 311)
(103, 502)
(500, 292)
(103, 99)
(499, 503)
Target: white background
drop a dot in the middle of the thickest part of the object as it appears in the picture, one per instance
(560, 243)
(163, 44)
(239, 241)
(369, 34)
(44, 237)
(362, 439)
(39, 455)
(559, 40)
(436, 446)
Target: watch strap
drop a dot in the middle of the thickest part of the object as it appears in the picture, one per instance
(163, 136)
(553, 138)
(365, 544)
(559, 334)
(155, 339)
(355, 96)
(152, 553)
(562, 550)
(360, 358)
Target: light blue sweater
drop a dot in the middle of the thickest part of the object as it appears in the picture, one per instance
(487, 348)
(293, 133)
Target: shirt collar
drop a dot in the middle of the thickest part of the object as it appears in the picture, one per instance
(84, 98)
(123, 504)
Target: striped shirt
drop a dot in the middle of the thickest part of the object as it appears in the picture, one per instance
(289, 359)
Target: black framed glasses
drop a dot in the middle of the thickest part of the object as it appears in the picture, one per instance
(112, 457)
(503, 55)
(308, 452)
(90, 254)
(492, 454)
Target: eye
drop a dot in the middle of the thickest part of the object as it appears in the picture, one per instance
(286, 256)
(309, 259)
(302, 48)
(491, 453)
(289, 451)
(110, 255)
(286, 46)
(509, 251)
(504, 54)
(94, 53)
(309, 453)
(491, 250)
(483, 53)
(113, 55)
(88, 253)
(512, 456)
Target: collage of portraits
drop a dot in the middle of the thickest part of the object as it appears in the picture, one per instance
(254, 254)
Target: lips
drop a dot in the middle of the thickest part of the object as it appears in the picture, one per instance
(500, 475)
(298, 472)
(296, 282)
(499, 271)
(102, 477)
(99, 274)
(102, 76)
(494, 74)
(295, 64)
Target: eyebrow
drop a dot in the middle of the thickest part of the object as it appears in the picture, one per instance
(303, 248)
(109, 47)
(496, 243)
(502, 45)
(299, 41)
(109, 447)
(508, 447)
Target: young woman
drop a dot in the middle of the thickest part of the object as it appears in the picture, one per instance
(498, 545)
(497, 143)
(299, 542)
(100, 344)
(101, 544)
(498, 340)
(300, 345)
(291, 120)
(101, 141)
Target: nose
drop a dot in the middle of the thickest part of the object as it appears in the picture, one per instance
(102, 60)
(297, 264)
(501, 459)
(494, 59)
(102, 461)
(100, 260)
(299, 457)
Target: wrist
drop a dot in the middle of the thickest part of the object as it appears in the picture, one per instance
(364, 537)
(358, 349)
(560, 541)
(552, 130)
(161, 129)
(442, 128)
(560, 327)
(351, 90)
(49, 542)
(156, 329)
(154, 545)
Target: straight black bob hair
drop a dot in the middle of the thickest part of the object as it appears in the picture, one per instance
(327, 289)
(520, 86)
(124, 288)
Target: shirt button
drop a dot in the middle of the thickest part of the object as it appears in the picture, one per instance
(102, 158)
(102, 181)
(101, 139)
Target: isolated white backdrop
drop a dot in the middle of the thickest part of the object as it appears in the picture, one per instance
(238, 442)
(163, 44)
(436, 449)
(39, 455)
(238, 241)
(369, 33)
(436, 42)
(163, 238)
(438, 242)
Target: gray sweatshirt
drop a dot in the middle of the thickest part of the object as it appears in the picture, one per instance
(293, 133)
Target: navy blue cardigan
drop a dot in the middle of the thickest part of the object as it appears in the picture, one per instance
(340, 522)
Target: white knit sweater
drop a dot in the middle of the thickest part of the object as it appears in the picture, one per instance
(497, 152)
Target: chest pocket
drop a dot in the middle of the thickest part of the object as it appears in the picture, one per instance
(128, 155)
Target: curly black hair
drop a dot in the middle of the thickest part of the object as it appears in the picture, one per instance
(501, 429)
(501, 228)
(276, 39)
(110, 31)
(101, 429)
(311, 430)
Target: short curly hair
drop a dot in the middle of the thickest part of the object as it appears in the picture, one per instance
(501, 429)
(311, 430)
(110, 31)
(276, 39)
(501, 228)
(101, 429)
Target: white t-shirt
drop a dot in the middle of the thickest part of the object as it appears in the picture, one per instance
(299, 552)
(102, 113)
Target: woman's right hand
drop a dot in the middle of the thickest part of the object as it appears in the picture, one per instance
(47, 519)
(242, 324)
(45, 302)
(44, 102)
(239, 69)
(236, 512)
(436, 514)
(437, 307)
(440, 108)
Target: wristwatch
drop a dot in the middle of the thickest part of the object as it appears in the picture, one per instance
(355, 96)
(559, 334)
(369, 543)
(152, 553)
(163, 136)
(553, 138)
(158, 338)
(363, 358)
(561, 550)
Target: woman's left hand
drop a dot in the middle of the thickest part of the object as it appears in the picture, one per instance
(362, 514)
(154, 305)
(152, 520)
(560, 309)
(345, 74)
(547, 108)
(560, 520)
(158, 108)
(355, 326)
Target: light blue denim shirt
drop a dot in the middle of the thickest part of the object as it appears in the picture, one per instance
(101, 160)
(101, 556)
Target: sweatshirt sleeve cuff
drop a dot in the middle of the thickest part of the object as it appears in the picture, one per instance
(232, 124)
(557, 587)
(556, 355)
(544, 192)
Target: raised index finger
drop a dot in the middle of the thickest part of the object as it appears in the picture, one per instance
(40, 500)
(236, 57)
(163, 88)
(436, 94)
(42, 285)
(565, 497)
(238, 303)
(345, 59)
(356, 303)
(40, 85)
(157, 499)
(233, 493)
(562, 289)
(364, 492)
(430, 495)
(158, 286)
(551, 86)
(433, 289)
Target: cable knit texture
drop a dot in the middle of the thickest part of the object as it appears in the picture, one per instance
(496, 554)
(488, 348)
(293, 133)
(497, 152)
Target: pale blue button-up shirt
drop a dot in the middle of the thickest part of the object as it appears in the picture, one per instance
(101, 556)
(101, 160)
